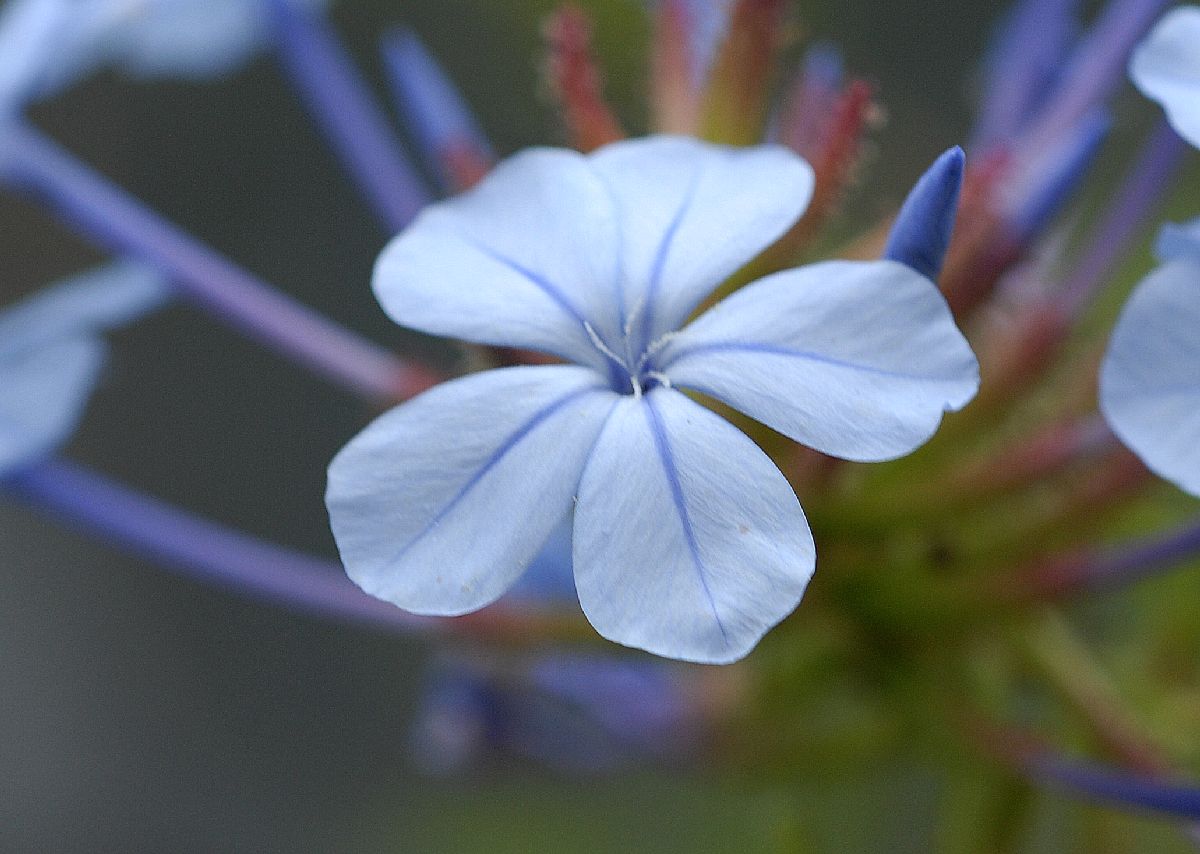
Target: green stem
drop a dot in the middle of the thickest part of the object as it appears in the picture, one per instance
(1053, 649)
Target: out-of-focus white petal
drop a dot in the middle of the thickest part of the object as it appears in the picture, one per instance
(109, 295)
(1166, 67)
(1150, 378)
(1179, 241)
(43, 392)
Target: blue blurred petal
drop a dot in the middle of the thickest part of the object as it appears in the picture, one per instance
(1179, 241)
(525, 259)
(31, 34)
(108, 296)
(856, 359)
(43, 392)
(440, 504)
(1150, 378)
(1166, 67)
(921, 233)
(689, 543)
(51, 354)
(191, 38)
(690, 214)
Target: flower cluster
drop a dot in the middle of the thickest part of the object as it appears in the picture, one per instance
(675, 352)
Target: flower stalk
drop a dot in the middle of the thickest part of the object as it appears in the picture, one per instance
(344, 108)
(107, 215)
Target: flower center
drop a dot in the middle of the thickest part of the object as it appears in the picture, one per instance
(629, 372)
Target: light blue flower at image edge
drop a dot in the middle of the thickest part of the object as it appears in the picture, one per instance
(687, 540)
(189, 39)
(51, 354)
(1150, 378)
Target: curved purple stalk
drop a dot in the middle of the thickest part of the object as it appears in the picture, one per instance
(443, 126)
(1137, 198)
(1117, 788)
(202, 549)
(1021, 66)
(1124, 566)
(109, 216)
(341, 102)
(1095, 69)
(1093, 571)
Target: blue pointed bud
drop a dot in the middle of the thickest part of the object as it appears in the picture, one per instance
(921, 233)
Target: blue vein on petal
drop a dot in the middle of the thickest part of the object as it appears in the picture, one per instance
(508, 444)
(660, 258)
(774, 350)
(672, 474)
(548, 288)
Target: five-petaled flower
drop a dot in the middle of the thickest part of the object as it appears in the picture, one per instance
(687, 540)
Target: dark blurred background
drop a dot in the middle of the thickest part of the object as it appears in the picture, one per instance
(140, 711)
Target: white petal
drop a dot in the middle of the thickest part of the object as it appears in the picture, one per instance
(188, 39)
(1166, 67)
(1179, 241)
(691, 213)
(440, 504)
(109, 295)
(689, 543)
(43, 392)
(1150, 379)
(856, 359)
(524, 260)
(549, 577)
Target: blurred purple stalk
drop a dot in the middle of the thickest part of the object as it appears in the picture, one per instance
(1095, 69)
(1133, 563)
(442, 124)
(1117, 788)
(1135, 201)
(103, 212)
(201, 549)
(342, 105)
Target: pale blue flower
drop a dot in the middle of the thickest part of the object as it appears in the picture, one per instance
(687, 540)
(1166, 67)
(50, 44)
(28, 29)
(1150, 378)
(51, 354)
(183, 38)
